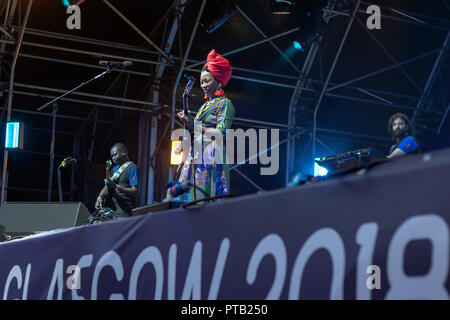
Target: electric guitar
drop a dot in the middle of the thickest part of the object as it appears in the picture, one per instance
(108, 169)
(107, 178)
(187, 90)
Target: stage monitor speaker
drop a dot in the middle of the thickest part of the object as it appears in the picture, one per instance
(24, 218)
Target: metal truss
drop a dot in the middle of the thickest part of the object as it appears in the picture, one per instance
(11, 84)
(150, 109)
(378, 97)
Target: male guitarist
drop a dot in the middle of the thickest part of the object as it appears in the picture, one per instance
(120, 191)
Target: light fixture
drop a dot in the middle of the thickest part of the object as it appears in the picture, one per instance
(14, 135)
(68, 3)
(314, 24)
(305, 44)
(318, 170)
(282, 6)
(298, 46)
(175, 159)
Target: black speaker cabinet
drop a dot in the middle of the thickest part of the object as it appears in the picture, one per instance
(24, 218)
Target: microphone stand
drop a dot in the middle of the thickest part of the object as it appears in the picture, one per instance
(59, 184)
(101, 75)
(55, 105)
(70, 161)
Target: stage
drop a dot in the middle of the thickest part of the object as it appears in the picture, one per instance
(380, 233)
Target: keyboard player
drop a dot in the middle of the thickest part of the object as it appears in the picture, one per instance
(402, 133)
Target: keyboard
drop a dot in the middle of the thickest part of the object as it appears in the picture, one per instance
(351, 160)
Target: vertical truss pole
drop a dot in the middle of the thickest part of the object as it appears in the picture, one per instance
(148, 138)
(431, 79)
(329, 77)
(94, 130)
(10, 96)
(152, 164)
(9, 15)
(10, 7)
(86, 170)
(75, 154)
(5, 8)
(293, 108)
(180, 72)
(143, 145)
(443, 119)
(176, 27)
(52, 154)
(290, 151)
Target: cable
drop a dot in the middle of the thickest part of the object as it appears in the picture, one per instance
(207, 199)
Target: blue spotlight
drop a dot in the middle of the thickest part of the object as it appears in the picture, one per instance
(297, 46)
(318, 170)
(66, 3)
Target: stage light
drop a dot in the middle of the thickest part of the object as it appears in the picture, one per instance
(14, 135)
(282, 6)
(318, 170)
(306, 44)
(68, 3)
(297, 46)
(175, 159)
(314, 24)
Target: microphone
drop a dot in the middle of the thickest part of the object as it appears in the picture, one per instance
(111, 64)
(68, 161)
(189, 77)
(191, 81)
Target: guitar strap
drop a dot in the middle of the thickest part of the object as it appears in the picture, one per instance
(122, 168)
(206, 110)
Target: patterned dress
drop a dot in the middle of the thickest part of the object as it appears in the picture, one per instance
(212, 176)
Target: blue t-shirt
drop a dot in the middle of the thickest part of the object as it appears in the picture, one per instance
(132, 175)
(407, 145)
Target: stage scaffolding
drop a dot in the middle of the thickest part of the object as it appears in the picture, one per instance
(151, 110)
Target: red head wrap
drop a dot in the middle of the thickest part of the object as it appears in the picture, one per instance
(219, 67)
